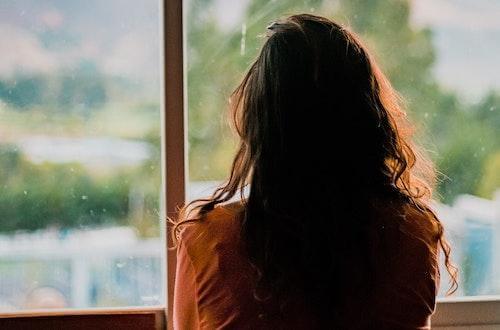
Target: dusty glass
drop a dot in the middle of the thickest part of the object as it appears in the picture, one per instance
(80, 177)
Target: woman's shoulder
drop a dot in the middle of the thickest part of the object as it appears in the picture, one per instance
(217, 227)
(406, 232)
(422, 219)
(416, 220)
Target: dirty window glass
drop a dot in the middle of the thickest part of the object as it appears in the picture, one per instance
(80, 157)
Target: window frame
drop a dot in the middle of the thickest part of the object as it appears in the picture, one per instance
(481, 312)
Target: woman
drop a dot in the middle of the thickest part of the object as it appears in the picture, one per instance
(336, 231)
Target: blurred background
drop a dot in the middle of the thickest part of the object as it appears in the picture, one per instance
(80, 172)
(80, 100)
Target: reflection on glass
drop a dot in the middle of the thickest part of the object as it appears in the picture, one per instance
(438, 54)
(79, 154)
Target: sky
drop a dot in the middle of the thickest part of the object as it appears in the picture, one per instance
(122, 37)
(467, 38)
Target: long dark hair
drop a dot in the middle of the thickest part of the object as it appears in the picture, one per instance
(322, 136)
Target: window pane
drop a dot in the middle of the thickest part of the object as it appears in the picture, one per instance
(80, 178)
(440, 55)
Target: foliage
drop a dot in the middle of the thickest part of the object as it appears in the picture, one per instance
(491, 178)
(83, 87)
(36, 196)
(63, 196)
(458, 134)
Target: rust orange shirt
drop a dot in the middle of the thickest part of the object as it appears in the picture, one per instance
(214, 281)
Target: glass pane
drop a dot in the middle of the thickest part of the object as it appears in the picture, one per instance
(80, 178)
(440, 55)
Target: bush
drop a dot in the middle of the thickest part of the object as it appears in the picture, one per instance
(35, 196)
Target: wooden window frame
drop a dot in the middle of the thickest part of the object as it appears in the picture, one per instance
(451, 313)
(127, 318)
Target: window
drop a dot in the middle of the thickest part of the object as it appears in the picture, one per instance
(81, 196)
(439, 56)
(55, 103)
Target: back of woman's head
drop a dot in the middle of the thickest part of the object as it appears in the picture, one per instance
(322, 135)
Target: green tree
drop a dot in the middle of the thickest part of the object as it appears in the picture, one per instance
(490, 181)
(83, 87)
(23, 92)
(60, 195)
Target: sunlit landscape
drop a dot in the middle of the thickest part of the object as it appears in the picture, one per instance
(80, 154)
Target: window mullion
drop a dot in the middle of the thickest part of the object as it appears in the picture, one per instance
(174, 128)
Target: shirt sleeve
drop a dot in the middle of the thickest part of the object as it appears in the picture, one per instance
(185, 292)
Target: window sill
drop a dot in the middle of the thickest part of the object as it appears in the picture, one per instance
(481, 312)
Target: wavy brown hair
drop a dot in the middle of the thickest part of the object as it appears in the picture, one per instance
(323, 135)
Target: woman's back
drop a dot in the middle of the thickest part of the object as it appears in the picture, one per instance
(335, 230)
(216, 283)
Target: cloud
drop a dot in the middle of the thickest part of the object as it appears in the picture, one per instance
(229, 13)
(52, 18)
(471, 15)
(49, 37)
(132, 54)
(22, 51)
(467, 39)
